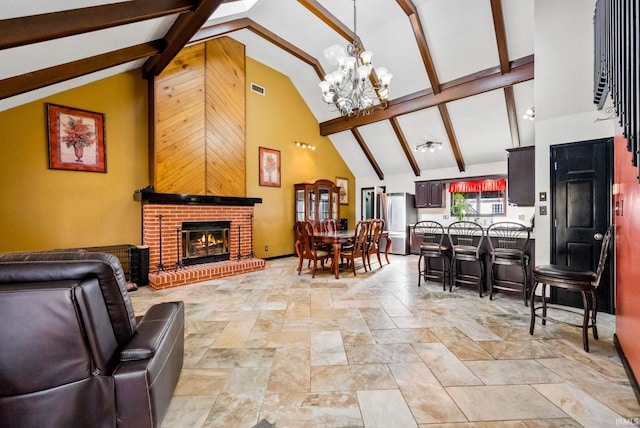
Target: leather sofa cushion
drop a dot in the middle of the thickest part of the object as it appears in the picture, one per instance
(42, 339)
(59, 265)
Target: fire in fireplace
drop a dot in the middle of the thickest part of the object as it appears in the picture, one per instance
(205, 241)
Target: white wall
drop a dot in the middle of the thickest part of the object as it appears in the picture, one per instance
(565, 111)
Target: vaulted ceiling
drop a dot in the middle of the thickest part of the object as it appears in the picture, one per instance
(463, 69)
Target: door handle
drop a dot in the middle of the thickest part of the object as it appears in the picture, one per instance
(598, 236)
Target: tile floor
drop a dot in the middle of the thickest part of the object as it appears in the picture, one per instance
(272, 348)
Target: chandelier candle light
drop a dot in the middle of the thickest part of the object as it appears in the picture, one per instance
(355, 89)
(429, 145)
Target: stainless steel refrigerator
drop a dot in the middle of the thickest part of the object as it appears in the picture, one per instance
(399, 211)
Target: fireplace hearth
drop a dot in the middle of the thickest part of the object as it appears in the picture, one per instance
(165, 238)
(205, 242)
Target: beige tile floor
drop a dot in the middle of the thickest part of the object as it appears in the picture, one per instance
(273, 348)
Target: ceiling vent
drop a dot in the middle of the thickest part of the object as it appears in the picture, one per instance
(257, 89)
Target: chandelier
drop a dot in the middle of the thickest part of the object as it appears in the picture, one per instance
(355, 89)
(429, 145)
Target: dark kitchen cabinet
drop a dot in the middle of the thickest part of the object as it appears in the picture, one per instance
(521, 166)
(429, 194)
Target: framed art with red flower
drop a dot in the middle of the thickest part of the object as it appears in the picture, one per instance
(76, 139)
(269, 165)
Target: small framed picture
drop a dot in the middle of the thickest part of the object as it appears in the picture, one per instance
(76, 139)
(269, 164)
(343, 184)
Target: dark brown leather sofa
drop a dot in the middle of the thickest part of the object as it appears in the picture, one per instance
(72, 352)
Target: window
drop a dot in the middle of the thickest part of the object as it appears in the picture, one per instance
(485, 198)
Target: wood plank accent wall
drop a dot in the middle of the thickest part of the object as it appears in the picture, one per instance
(199, 145)
(225, 118)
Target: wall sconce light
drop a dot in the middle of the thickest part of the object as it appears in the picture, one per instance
(305, 146)
(429, 145)
(530, 114)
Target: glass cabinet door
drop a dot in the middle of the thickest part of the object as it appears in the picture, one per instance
(323, 205)
(316, 201)
(335, 198)
(311, 206)
(300, 205)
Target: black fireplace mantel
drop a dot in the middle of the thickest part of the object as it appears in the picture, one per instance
(150, 197)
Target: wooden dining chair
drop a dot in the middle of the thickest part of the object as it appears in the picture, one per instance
(584, 282)
(376, 226)
(328, 225)
(359, 247)
(307, 249)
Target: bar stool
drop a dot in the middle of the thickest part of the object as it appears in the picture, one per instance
(584, 282)
(508, 242)
(466, 239)
(431, 234)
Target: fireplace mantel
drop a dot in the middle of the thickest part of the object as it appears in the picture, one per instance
(147, 197)
(163, 217)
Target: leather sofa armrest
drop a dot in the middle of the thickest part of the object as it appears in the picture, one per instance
(144, 386)
(151, 331)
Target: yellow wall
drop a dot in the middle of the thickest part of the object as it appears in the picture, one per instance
(276, 121)
(42, 208)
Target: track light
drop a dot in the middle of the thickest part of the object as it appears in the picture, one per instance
(429, 145)
(530, 114)
(305, 146)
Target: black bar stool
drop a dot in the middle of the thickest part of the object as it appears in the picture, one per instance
(508, 242)
(466, 239)
(433, 252)
(581, 281)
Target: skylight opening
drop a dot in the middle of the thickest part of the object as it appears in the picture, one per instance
(233, 8)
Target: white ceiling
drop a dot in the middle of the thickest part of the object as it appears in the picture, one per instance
(459, 33)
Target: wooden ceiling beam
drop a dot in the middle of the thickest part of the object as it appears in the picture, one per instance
(405, 146)
(501, 35)
(59, 73)
(409, 8)
(425, 99)
(453, 140)
(49, 26)
(325, 16)
(178, 36)
(512, 116)
(218, 30)
(356, 134)
(335, 24)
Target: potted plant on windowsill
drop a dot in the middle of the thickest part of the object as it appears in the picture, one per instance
(459, 206)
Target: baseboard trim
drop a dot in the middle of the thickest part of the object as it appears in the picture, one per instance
(284, 256)
(627, 368)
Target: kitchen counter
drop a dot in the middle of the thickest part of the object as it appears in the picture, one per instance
(509, 272)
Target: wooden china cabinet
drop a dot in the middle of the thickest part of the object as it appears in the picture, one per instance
(317, 201)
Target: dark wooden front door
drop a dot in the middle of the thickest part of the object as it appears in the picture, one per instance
(581, 207)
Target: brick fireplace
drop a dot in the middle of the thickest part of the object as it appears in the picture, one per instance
(163, 216)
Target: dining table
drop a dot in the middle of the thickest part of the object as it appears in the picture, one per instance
(339, 238)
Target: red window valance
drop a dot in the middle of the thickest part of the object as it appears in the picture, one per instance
(478, 186)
